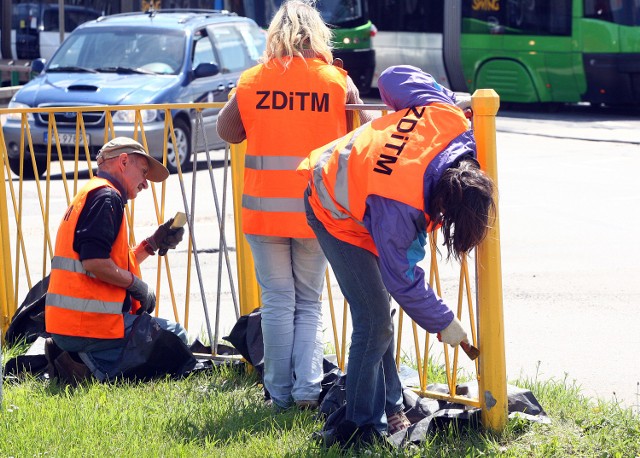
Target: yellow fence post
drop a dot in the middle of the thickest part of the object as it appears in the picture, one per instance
(492, 377)
(7, 308)
(248, 289)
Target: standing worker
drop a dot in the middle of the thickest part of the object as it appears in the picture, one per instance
(95, 291)
(291, 103)
(372, 197)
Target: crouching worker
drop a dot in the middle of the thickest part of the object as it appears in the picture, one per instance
(373, 196)
(95, 292)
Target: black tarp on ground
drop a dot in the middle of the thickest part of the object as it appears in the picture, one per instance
(149, 352)
(426, 415)
(28, 321)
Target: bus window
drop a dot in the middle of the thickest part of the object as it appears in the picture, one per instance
(342, 13)
(518, 17)
(616, 11)
(407, 16)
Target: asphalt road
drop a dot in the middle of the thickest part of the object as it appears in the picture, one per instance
(569, 211)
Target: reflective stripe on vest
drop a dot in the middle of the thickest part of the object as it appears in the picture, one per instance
(84, 305)
(272, 162)
(341, 187)
(70, 265)
(387, 157)
(286, 114)
(272, 204)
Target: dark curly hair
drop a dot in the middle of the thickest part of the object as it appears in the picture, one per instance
(462, 203)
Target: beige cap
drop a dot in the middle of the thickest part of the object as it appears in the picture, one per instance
(117, 146)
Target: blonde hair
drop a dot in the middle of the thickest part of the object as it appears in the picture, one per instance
(297, 25)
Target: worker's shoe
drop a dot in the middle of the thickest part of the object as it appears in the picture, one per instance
(397, 422)
(51, 352)
(347, 435)
(276, 407)
(307, 405)
(70, 370)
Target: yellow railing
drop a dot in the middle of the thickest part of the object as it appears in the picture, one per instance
(24, 229)
(492, 397)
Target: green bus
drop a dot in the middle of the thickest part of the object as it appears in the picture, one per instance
(529, 51)
(350, 24)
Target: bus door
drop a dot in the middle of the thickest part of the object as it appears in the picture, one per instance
(409, 32)
(610, 43)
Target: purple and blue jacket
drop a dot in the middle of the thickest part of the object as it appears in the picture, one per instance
(398, 230)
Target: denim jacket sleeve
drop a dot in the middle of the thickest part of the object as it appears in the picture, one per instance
(398, 232)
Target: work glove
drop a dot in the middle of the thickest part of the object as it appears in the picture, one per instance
(454, 334)
(165, 238)
(140, 291)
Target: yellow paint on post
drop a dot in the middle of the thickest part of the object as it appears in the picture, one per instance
(248, 289)
(492, 377)
(8, 306)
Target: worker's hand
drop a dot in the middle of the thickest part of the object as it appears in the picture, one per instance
(173, 238)
(140, 291)
(165, 238)
(454, 333)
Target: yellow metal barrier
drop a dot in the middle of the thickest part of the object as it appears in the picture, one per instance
(55, 195)
(492, 384)
(23, 226)
(6, 276)
(493, 380)
(248, 289)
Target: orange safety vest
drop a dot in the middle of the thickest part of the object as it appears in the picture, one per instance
(386, 157)
(77, 303)
(285, 114)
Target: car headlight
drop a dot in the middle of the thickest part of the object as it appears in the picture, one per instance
(16, 116)
(129, 116)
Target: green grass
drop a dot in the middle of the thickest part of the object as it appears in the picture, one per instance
(221, 413)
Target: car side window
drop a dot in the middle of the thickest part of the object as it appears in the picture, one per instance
(254, 39)
(203, 51)
(230, 46)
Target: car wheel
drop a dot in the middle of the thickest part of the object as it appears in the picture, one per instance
(27, 170)
(182, 153)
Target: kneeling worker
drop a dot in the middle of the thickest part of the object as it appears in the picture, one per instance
(95, 292)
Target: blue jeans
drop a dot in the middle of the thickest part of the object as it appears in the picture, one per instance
(102, 355)
(373, 388)
(290, 272)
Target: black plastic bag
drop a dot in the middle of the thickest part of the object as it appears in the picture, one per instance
(28, 321)
(246, 337)
(151, 351)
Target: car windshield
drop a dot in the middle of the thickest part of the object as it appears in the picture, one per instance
(121, 51)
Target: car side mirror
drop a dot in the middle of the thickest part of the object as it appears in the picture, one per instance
(37, 66)
(206, 69)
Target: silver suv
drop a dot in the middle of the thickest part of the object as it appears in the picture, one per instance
(165, 56)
